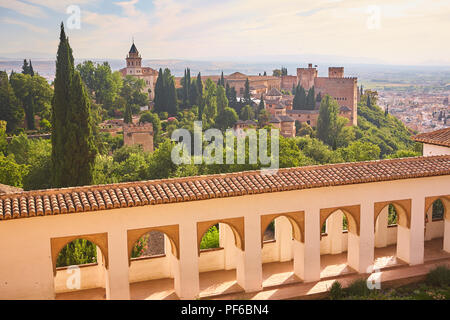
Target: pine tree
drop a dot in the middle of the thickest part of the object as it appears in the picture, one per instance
(73, 147)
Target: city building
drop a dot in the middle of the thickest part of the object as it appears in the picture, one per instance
(435, 142)
(134, 68)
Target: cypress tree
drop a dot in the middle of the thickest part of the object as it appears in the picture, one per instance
(10, 108)
(185, 89)
(25, 67)
(31, 70)
(128, 116)
(200, 92)
(193, 93)
(262, 105)
(170, 93)
(73, 147)
(247, 98)
(159, 93)
(310, 99)
(369, 103)
(222, 80)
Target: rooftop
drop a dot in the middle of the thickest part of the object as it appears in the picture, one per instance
(438, 137)
(131, 194)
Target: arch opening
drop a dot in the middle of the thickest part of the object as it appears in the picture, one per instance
(80, 263)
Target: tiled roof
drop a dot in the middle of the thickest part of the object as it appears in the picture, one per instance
(103, 197)
(274, 92)
(438, 137)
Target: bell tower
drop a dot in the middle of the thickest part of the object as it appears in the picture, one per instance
(134, 61)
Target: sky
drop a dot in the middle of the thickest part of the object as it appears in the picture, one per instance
(404, 32)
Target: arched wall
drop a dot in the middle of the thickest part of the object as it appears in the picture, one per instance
(445, 201)
(402, 207)
(236, 225)
(352, 213)
(172, 232)
(297, 220)
(99, 239)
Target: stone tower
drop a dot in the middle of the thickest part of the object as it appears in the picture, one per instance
(141, 134)
(134, 61)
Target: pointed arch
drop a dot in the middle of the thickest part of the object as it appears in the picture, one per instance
(297, 220)
(236, 225)
(99, 239)
(352, 213)
(402, 207)
(172, 233)
(445, 201)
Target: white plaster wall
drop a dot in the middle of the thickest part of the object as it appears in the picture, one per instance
(433, 150)
(21, 279)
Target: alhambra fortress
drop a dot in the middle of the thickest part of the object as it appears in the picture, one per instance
(309, 250)
(280, 106)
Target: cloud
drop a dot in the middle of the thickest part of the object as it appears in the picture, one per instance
(23, 8)
(29, 26)
(128, 7)
(411, 31)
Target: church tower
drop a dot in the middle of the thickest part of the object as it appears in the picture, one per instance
(134, 61)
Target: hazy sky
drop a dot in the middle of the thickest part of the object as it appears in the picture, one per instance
(389, 31)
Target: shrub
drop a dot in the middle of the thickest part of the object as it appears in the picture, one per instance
(336, 291)
(210, 239)
(358, 288)
(79, 251)
(140, 247)
(439, 277)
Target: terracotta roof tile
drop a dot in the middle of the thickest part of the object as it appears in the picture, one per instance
(438, 137)
(92, 198)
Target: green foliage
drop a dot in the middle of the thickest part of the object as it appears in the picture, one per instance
(128, 116)
(77, 252)
(3, 143)
(438, 210)
(165, 93)
(392, 215)
(209, 111)
(439, 277)
(140, 247)
(247, 113)
(10, 109)
(73, 146)
(360, 151)
(152, 118)
(387, 132)
(226, 119)
(358, 288)
(210, 239)
(336, 291)
(12, 173)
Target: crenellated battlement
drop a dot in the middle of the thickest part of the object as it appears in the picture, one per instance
(136, 128)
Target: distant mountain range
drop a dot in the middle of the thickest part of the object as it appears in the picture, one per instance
(434, 75)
